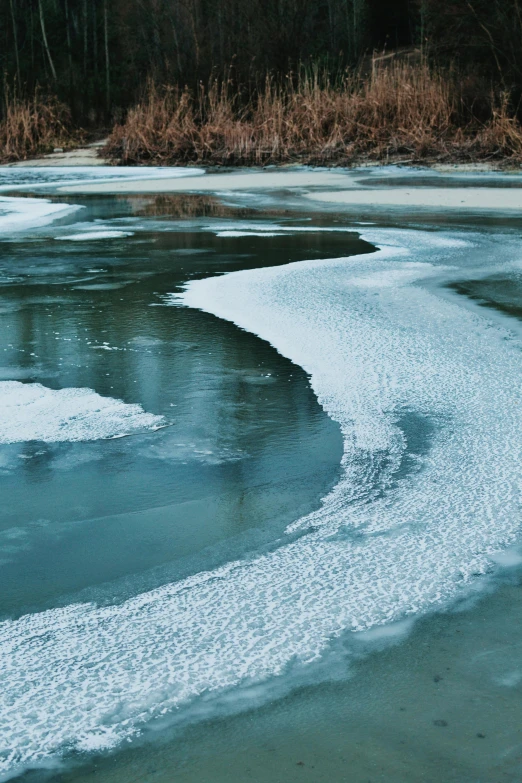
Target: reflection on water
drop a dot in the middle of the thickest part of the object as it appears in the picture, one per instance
(247, 449)
(185, 205)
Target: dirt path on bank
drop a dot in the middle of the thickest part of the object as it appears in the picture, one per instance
(86, 155)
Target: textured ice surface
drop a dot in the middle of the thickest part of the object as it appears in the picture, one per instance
(427, 394)
(19, 214)
(30, 411)
(88, 236)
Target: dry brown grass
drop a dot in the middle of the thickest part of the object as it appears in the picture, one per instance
(400, 111)
(33, 127)
(501, 137)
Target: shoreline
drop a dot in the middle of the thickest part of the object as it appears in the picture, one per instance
(89, 155)
(374, 188)
(347, 188)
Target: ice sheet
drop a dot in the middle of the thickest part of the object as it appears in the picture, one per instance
(428, 396)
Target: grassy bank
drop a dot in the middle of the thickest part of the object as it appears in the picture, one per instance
(401, 112)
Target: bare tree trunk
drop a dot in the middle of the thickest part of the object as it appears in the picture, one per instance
(15, 39)
(493, 47)
(356, 26)
(32, 39)
(107, 62)
(221, 40)
(85, 25)
(176, 43)
(193, 23)
(95, 39)
(44, 36)
(68, 39)
(331, 26)
(156, 59)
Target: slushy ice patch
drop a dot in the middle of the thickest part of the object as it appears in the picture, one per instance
(30, 411)
(381, 348)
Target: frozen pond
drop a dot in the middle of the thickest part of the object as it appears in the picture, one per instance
(260, 448)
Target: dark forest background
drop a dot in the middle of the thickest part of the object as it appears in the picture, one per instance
(97, 55)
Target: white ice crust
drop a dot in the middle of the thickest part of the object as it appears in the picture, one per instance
(391, 540)
(30, 411)
(88, 236)
(19, 214)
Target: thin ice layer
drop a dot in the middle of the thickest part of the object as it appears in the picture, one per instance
(30, 411)
(428, 398)
(28, 177)
(89, 236)
(19, 214)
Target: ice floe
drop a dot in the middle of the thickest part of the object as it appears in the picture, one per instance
(19, 214)
(88, 236)
(30, 411)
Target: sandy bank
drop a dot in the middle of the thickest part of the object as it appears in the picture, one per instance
(209, 183)
(447, 198)
(81, 156)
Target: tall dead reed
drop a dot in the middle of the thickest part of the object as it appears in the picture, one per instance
(406, 111)
(32, 127)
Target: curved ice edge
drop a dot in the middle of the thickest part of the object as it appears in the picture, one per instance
(30, 411)
(21, 214)
(374, 341)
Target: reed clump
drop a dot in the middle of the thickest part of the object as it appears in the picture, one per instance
(32, 127)
(402, 111)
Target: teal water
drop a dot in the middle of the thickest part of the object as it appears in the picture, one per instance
(246, 451)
